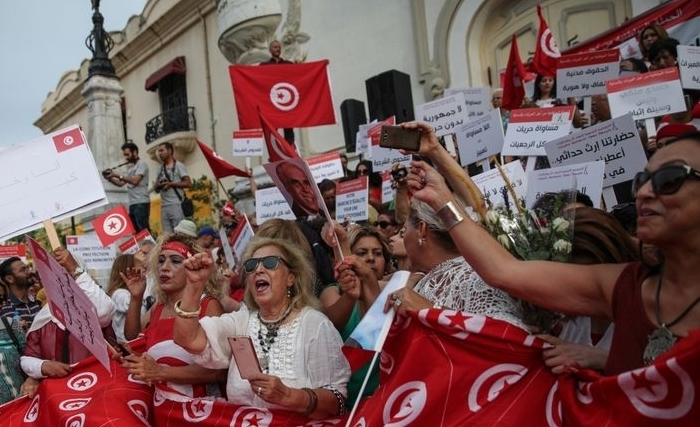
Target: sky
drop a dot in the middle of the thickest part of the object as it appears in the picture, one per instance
(40, 40)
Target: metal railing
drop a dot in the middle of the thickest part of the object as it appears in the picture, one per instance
(175, 120)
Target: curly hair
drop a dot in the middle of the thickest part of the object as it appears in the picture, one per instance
(212, 288)
(299, 265)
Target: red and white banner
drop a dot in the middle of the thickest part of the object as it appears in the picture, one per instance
(513, 87)
(351, 199)
(131, 246)
(289, 95)
(220, 167)
(530, 129)
(10, 250)
(113, 225)
(325, 166)
(249, 142)
(278, 148)
(585, 74)
(653, 94)
(544, 62)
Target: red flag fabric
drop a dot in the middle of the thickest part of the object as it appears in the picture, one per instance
(289, 95)
(544, 62)
(113, 225)
(68, 138)
(88, 396)
(278, 148)
(220, 167)
(513, 89)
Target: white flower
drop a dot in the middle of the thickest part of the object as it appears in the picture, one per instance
(504, 240)
(562, 245)
(560, 224)
(492, 217)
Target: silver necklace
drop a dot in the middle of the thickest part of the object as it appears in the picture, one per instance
(662, 339)
(270, 336)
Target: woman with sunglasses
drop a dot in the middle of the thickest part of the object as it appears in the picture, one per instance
(651, 307)
(165, 364)
(302, 367)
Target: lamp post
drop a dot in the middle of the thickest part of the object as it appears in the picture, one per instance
(100, 43)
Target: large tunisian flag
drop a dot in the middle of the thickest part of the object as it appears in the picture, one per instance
(288, 95)
(544, 62)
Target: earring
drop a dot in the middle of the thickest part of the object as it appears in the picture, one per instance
(289, 292)
(421, 241)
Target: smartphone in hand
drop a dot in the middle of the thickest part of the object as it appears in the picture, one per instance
(244, 355)
(400, 138)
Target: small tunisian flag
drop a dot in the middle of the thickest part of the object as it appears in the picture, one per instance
(113, 225)
(278, 148)
(290, 95)
(546, 52)
(513, 89)
(220, 167)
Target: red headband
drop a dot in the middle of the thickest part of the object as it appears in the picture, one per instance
(178, 247)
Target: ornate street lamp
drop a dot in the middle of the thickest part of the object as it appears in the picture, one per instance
(100, 43)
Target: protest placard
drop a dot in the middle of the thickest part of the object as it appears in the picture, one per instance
(226, 246)
(90, 249)
(616, 142)
(10, 250)
(249, 142)
(477, 100)
(68, 303)
(362, 140)
(585, 74)
(689, 66)
(296, 183)
(242, 235)
(131, 246)
(646, 95)
(51, 177)
(584, 177)
(388, 191)
(493, 186)
(480, 138)
(326, 166)
(445, 114)
(270, 203)
(529, 129)
(352, 199)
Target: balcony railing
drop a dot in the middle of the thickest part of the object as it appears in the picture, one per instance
(171, 121)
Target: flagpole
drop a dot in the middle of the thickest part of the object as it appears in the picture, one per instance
(223, 188)
(362, 389)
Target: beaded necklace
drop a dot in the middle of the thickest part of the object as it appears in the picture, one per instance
(270, 336)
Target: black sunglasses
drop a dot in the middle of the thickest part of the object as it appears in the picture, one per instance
(270, 262)
(383, 224)
(666, 180)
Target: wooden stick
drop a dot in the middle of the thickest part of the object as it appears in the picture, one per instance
(51, 234)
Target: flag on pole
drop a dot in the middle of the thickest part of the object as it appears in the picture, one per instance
(290, 95)
(220, 167)
(546, 52)
(278, 148)
(113, 225)
(513, 89)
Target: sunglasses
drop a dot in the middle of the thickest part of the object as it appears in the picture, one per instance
(666, 180)
(270, 262)
(383, 224)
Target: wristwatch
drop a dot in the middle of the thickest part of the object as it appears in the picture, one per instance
(77, 272)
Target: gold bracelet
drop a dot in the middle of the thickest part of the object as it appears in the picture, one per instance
(186, 314)
(449, 215)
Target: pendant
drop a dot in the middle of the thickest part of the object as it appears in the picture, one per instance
(660, 341)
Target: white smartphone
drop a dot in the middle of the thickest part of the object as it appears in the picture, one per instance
(244, 355)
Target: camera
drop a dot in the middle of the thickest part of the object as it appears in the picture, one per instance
(106, 172)
(399, 173)
(160, 184)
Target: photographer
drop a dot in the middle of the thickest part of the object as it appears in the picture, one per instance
(136, 181)
(171, 183)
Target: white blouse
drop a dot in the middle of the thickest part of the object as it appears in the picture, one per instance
(306, 353)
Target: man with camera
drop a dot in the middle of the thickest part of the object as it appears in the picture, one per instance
(136, 181)
(171, 183)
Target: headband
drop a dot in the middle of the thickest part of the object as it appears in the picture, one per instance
(178, 247)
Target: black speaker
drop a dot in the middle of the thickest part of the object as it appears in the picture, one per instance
(389, 94)
(353, 115)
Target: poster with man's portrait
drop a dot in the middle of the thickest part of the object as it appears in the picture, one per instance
(296, 183)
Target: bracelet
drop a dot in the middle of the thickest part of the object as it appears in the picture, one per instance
(449, 215)
(313, 401)
(186, 314)
(341, 401)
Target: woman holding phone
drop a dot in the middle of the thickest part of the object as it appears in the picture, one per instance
(302, 367)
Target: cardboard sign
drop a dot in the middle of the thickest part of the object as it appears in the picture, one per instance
(294, 179)
(90, 249)
(69, 304)
(585, 74)
(584, 177)
(362, 141)
(10, 250)
(646, 95)
(481, 138)
(446, 114)
(492, 185)
(242, 235)
(226, 245)
(352, 199)
(248, 143)
(689, 66)
(477, 100)
(388, 192)
(326, 166)
(51, 177)
(131, 246)
(616, 142)
(529, 129)
(270, 203)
